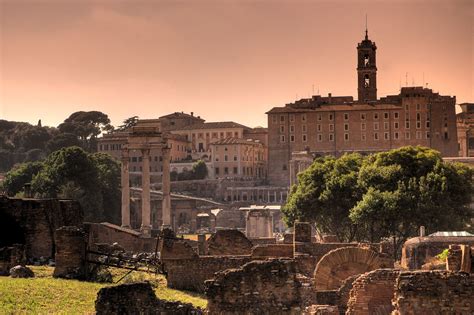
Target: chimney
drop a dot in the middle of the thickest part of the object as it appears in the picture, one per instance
(330, 97)
(422, 231)
(192, 113)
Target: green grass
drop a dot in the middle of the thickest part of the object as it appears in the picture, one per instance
(46, 295)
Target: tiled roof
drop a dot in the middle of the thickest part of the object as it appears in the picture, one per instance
(181, 114)
(214, 125)
(335, 107)
(232, 140)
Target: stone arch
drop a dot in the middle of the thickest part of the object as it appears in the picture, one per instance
(341, 263)
(372, 292)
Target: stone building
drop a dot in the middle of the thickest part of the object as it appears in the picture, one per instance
(238, 158)
(189, 138)
(335, 125)
(201, 135)
(465, 125)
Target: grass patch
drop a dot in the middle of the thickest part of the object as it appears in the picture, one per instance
(193, 237)
(46, 295)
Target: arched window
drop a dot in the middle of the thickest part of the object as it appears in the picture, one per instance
(366, 81)
(366, 60)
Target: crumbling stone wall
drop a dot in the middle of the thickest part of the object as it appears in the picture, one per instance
(459, 258)
(39, 219)
(228, 242)
(372, 292)
(418, 250)
(10, 257)
(272, 250)
(434, 292)
(190, 274)
(258, 287)
(109, 233)
(138, 298)
(321, 310)
(70, 253)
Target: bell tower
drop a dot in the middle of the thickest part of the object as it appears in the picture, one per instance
(366, 70)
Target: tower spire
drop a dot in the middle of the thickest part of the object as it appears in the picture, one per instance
(366, 30)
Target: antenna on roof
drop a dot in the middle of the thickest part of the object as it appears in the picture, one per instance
(313, 89)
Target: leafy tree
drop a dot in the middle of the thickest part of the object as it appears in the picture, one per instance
(22, 174)
(128, 123)
(109, 178)
(6, 160)
(410, 187)
(62, 140)
(34, 155)
(385, 195)
(199, 170)
(326, 192)
(71, 167)
(87, 126)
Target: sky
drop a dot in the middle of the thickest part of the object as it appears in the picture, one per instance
(223, 60)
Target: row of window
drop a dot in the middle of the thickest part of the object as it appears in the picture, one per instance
(112, 147)
(377, 136)
(259, 157)
(139, 169)
(215, 135)
(363, 126)
(247, 171)
(363, 116)
(140, 159)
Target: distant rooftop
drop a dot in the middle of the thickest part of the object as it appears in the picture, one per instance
(232, 140)
(452, 233)
(182, 115)
(214, 125)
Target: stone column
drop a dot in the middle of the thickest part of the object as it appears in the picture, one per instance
(125, 182)
(165, 187)
(146, 227)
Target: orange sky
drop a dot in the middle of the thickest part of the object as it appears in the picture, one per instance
(224, 60)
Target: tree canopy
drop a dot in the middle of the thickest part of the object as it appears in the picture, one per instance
(91, 178)
(128, 123)
(388, 194)
(86, 126)
(23, 142)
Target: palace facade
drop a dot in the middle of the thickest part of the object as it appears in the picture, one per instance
(335, 125)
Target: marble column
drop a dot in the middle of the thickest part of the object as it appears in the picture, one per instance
(146, 213)
(125, 182)
(165, 188)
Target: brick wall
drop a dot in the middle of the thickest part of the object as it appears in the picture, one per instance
(372, 292)
(434, 292)
(70, 253)
(128, 239)
(190, 274)
(272, 250)
(259, 287)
